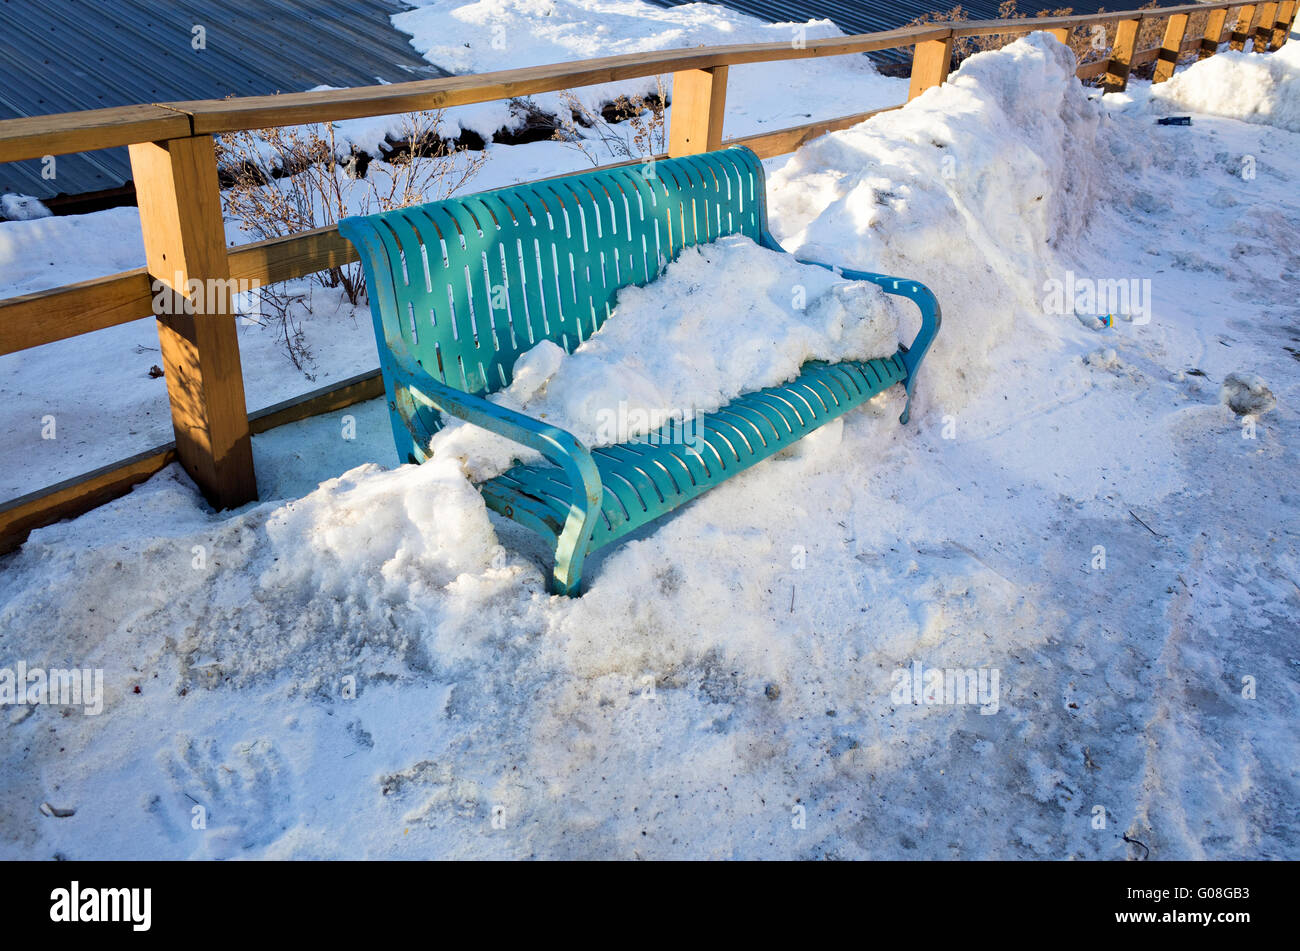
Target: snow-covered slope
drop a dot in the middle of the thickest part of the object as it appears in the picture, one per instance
(1239, 86)
(374, 668)
(479, 36)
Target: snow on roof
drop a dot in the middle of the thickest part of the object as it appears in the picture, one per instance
(870, 16)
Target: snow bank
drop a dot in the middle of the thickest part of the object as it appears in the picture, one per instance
(973, 189)
(724, 319)
(1239, 85)
(296, 588)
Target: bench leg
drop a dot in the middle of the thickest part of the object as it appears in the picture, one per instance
(931, 318)
(404, 414)
(575, 538)
(567, 577)
(907, 406)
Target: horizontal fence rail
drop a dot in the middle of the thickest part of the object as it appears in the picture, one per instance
(57, 134)
(42, 317)
(173, 159)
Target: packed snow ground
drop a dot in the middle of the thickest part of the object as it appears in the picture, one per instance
(732, 685)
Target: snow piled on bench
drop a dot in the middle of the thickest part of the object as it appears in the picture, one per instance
(724, 319)
(375, 669)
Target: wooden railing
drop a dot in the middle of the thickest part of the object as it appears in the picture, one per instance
(175, 174)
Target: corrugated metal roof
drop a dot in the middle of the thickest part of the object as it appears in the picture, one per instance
(65, 55)
(871, 16)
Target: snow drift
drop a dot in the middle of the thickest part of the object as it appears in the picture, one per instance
(1239, 85)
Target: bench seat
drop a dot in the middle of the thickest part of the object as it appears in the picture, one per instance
(645, 479)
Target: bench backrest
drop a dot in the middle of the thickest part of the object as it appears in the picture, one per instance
(466, 285)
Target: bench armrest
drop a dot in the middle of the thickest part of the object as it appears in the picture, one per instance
(556, 445)
(918, 293)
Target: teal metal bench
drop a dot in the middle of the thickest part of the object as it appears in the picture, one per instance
(460, 288)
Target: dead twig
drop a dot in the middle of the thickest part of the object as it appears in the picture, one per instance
(1146, 853)
(1145, 525)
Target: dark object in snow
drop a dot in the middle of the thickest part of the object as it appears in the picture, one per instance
(1175, 120)
(357, 164)
(155, 371)
(772, 692)
(1246, 395)
(1146, 853)
(1145, 525)
(448, 366)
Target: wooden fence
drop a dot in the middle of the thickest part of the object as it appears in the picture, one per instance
(175, 173)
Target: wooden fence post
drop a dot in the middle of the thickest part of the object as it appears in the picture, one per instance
(1282, 28)
(1170, 47)
(1213, 33)
(699, 103)
(185, 247)
(1263, 34)
(1241, 32)
(1286, 22)
(1121, 56)
(931, 60)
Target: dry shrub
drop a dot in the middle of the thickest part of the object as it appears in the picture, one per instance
(962, 47)
(285, 181)
(1151, 32)
(1196, 25)
(1089, 42)
(630, 127)
(966, 46)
